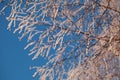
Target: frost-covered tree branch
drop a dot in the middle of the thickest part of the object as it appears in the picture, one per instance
(79, 38)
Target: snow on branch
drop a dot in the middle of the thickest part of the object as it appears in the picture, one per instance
(79, 38)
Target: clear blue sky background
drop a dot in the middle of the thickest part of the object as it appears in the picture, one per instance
(14, 60)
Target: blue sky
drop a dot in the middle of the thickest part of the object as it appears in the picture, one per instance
(14, 60)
